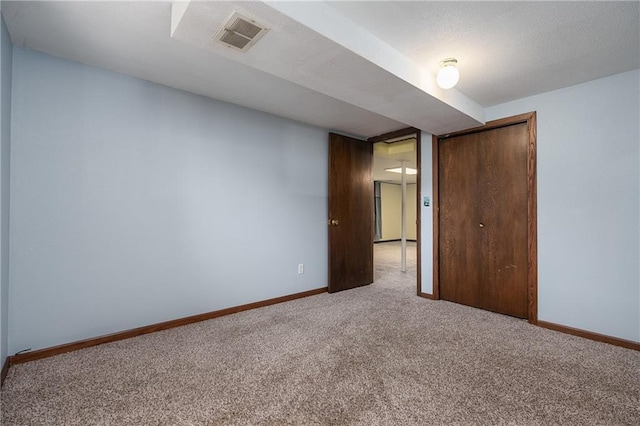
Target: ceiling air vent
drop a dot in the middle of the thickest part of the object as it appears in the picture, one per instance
(240, 32)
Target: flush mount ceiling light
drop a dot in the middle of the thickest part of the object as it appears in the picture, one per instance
(409, 170)
(448, 74)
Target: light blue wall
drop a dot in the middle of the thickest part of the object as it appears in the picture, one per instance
(5, 147)
(588, 203)
(134, 203)
(426, 213)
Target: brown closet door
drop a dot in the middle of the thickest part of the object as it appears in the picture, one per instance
(483, 219)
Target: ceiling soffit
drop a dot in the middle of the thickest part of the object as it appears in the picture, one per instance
(133, 38)
(314, 46)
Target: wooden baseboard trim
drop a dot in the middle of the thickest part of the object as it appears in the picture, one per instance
(629, 344)
(394, 241)
(4, 372)
(87, 343)
(427, 296)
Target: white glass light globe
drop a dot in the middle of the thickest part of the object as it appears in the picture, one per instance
(448, 76)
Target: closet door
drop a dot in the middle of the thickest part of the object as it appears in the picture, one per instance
(483, 219)
(460, 239)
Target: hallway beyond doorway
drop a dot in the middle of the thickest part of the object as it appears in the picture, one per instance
(386, 262)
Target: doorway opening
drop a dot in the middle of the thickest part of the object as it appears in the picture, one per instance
(396, 221)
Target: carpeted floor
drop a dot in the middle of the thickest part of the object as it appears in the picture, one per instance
(387, 267)
(371, 356)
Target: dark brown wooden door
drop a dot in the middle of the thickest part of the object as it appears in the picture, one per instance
(483, 219)
(350, 213)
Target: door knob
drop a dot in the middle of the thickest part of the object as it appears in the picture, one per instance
(334, 222)
(482, 225)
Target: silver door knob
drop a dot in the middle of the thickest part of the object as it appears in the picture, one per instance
(482, 225)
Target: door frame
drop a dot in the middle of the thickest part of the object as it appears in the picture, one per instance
(406, 132)
(532, 207)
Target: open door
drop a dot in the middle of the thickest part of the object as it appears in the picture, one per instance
(350, 213)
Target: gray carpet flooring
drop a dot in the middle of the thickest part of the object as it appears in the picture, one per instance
(377, 355)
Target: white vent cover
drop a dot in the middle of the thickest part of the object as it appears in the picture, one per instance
(240, 32)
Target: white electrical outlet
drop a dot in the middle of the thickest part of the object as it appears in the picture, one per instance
(301, 268)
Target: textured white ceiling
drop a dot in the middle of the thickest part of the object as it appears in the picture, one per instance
(316, 67)
(509, 50)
